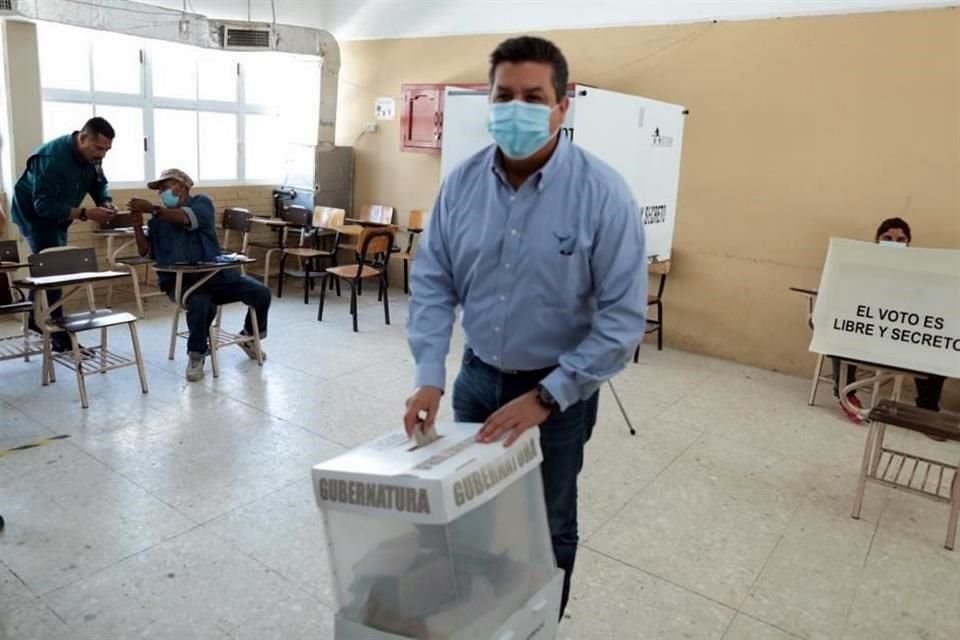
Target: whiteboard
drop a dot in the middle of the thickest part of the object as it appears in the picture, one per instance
(618, 128)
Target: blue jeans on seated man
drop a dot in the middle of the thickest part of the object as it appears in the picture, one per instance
(40, 240)
(223, 288)
(481, 389)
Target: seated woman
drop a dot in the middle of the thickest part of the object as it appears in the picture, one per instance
(893, 232)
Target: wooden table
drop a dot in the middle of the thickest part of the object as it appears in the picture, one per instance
(218, 337)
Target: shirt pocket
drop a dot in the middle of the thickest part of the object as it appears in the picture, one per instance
(560, 259)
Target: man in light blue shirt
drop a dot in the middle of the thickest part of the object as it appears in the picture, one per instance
(542, 245)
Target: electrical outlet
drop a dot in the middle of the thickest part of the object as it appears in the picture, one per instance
(370, 127)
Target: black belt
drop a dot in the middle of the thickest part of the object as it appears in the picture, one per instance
(530, 373)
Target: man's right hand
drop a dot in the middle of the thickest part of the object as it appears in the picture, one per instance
(99, 214)
(422, 406)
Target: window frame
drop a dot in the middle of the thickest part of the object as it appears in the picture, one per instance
(147, 102)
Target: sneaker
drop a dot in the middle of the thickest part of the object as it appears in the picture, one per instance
(852, 416)
(195, 368)
(60, 347)
(251, 350)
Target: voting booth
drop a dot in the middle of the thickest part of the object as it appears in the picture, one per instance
(893, 306)
(639, 137)
(445, 540)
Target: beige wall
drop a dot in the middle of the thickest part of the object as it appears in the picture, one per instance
(799, 129)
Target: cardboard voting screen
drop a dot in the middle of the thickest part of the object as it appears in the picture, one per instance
(896, 306)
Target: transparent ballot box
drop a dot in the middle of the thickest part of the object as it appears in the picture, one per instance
(447, 540)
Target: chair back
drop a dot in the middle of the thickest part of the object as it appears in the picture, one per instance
(416, 220)
(296, 216)
(9, 252)
(61, 261)
(378, 213)
(235, 219)
(375, 242)
(328, 217)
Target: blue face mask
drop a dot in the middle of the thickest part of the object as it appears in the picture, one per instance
(169, 199)
(519, 128)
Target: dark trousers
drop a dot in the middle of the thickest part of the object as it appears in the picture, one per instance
(39, 241)
(929, 388)
(480, 390)
(223, 288)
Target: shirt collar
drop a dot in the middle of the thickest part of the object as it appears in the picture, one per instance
(546, 173)
(73, 148)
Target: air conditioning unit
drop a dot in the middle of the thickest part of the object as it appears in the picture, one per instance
(244, 38)
(8, 7)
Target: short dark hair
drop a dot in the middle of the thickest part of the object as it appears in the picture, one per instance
(98, 127)
(533, 49)
(894, 223)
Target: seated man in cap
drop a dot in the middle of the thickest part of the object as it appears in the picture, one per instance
(183, 230)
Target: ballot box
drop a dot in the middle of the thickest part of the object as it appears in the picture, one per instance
(444, 540)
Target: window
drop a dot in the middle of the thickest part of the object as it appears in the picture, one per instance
(61, 118)
(264, 147)
(64, 57)
(175, 143)
(218, 146)
(125, 161)
(220, 116)
(174, 71)
(117, 66)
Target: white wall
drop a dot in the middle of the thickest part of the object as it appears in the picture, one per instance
(372, 19)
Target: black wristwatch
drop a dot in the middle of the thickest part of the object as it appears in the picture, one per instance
(546, 398)
(83, 214)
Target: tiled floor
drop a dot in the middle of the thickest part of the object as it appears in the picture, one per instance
(187, 512)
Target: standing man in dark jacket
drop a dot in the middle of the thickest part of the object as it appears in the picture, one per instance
(47, 197)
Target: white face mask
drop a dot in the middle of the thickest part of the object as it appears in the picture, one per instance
(892, 243)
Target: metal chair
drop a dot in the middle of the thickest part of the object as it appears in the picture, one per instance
(128, 263)
(376, 243)
(13, 302)
(414, 229)
(289, 215)
(71, 260)
(323, 223)
(662, 269)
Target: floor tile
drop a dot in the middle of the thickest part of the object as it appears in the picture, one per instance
(610, 600)
(746, 628)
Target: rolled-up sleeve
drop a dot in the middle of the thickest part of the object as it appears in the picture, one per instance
(433, 301)
(619, 271)
(200, 213)
(48, 190)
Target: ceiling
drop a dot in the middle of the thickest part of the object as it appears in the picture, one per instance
(373, 19)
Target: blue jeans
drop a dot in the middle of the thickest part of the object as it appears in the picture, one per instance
(38, 241)
(480, 390)
(223, 288)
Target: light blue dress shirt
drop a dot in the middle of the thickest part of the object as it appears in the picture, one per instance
(553, 273)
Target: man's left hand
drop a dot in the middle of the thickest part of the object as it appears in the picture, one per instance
(141, 205)
(513, 419)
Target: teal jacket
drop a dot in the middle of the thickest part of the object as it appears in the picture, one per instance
(56, 180)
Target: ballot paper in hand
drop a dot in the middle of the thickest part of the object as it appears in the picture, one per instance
(424, 435)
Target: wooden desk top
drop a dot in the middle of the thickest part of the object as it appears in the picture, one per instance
(270, 222)
(84, 277)
(12, 266)
(910, 417)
